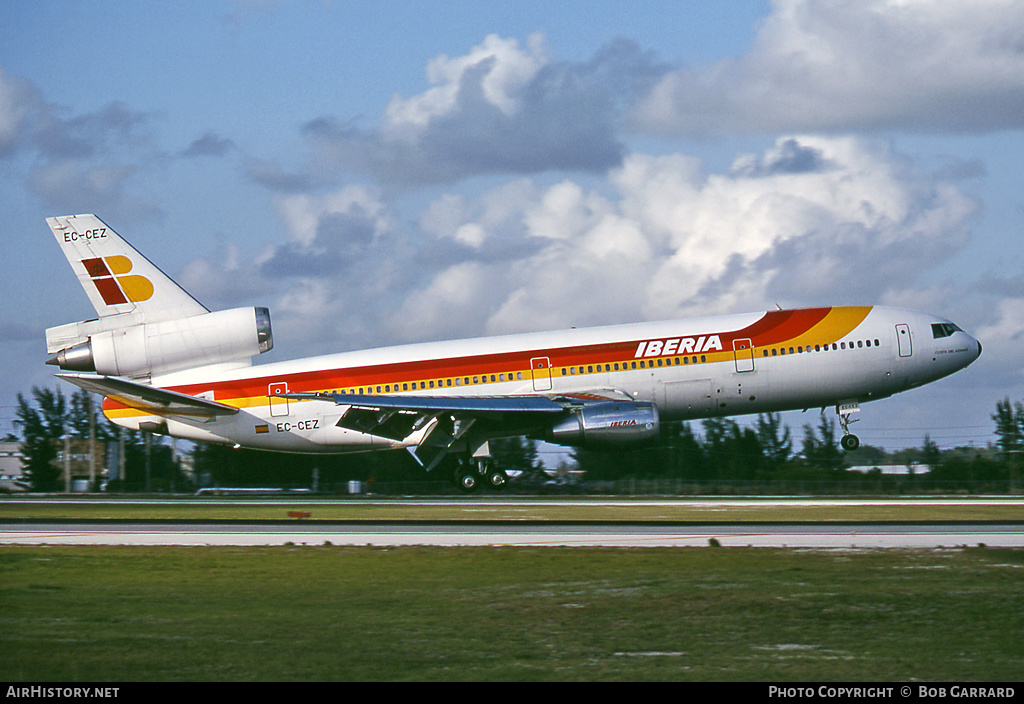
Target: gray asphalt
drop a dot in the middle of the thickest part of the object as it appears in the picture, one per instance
(830, 536)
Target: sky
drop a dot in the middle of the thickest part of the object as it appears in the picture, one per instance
(402, 171)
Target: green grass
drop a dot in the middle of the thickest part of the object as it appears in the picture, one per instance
(340, 613)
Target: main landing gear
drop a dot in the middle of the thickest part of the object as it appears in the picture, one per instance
(469, 475)
(849, 441)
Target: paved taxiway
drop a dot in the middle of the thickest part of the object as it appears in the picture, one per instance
(821, 536)
(528, 532)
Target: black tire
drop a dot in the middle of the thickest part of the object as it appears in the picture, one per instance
(467, 480)
(850, 442)
(497, 479)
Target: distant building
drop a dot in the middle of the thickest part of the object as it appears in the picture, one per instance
(11, 471)
(894, 469)
(78, 463)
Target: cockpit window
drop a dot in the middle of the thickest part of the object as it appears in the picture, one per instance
(944, 330)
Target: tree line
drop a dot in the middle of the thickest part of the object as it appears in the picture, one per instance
(725, 451)
(722, 450)
(48, 417)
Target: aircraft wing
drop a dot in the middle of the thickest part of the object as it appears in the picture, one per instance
(150, 399)
(449, 418)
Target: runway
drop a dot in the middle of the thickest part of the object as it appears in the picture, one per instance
(802, 535)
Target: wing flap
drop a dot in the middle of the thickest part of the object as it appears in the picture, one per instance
(447, 419)
(150, 399)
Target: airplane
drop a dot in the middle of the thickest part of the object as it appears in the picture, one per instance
(167, 365)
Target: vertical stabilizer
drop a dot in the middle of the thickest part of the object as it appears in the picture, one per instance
(115, 276)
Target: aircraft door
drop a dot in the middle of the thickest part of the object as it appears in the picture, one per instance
(278, 405)
(906, 345)
(696, 398)
(743, 351)
(541, 371)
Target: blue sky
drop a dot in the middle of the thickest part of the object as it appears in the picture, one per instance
(389, 172)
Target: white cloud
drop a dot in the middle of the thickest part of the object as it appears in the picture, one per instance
(828, 65)
(77, 162)
(19, 100)
(1002, 337)
(812, 220)
(809, 221)
(303, 214)
(506, 70)
(498, 109)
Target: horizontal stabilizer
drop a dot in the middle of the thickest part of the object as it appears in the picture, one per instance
(149, 399)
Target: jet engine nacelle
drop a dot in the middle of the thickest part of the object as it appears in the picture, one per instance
(615, 424)
(156, 348)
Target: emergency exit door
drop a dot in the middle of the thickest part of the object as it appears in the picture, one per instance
(906, 345)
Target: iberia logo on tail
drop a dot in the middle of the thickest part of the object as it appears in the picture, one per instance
(110, 275)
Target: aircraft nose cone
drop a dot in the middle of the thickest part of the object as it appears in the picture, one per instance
(977, 352)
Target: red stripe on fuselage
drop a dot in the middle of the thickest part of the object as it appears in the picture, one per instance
(772, 328)
(779, 326)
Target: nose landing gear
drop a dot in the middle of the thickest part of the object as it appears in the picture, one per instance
(849, 441)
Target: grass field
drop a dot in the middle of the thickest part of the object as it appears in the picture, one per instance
(339, 613)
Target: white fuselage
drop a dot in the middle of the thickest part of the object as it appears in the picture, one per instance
(698, 368)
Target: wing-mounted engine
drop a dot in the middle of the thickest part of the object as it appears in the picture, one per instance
(608, 425)
(119, 346)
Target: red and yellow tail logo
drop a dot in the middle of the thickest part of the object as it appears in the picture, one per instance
(109, 275)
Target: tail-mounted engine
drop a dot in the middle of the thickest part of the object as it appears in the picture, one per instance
(110, 347)
(607, 426)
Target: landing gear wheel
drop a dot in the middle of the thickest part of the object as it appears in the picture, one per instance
(467, 479)
(496, 478)
(850, 442)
